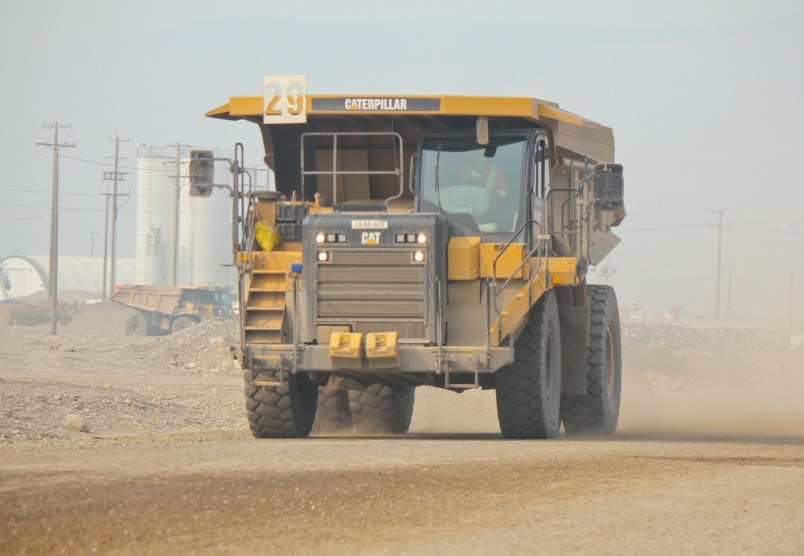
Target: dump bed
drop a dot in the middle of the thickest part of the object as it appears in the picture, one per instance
(158, 299)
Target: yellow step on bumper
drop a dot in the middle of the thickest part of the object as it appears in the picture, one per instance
(346, 350)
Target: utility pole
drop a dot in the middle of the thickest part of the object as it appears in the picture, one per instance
(177, 177)
(105, 240)
(114, 177)
(719, 249)
(728, 295)
(53, 269)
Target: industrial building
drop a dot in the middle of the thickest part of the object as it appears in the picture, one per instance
(201, 254)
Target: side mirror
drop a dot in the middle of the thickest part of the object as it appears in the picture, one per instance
(202, 172)
(609, 187)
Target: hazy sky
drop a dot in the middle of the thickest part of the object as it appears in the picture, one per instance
(705, 99)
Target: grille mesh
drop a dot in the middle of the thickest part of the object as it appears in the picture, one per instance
(356, 287)
(404, 329)
(368, 275)
(354, 309)
(372, 257)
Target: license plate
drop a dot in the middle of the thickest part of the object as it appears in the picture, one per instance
(369, 224)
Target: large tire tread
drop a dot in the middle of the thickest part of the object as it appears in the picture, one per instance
(333, 414)
(381, 409)
(285, 411)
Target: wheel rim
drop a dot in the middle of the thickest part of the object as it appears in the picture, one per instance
(610, 381)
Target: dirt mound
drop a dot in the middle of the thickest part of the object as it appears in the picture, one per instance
(200, 349)
(75, 319)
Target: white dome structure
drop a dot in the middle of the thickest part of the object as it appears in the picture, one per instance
(28, 274)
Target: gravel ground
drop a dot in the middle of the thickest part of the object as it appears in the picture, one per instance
(120, 444)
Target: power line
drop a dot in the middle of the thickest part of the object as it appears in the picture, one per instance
(108, 164)
(667, 213)
(19, 218)
(18, 190)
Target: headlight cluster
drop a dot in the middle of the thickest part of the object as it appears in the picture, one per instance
(411, 238)
(321, 237)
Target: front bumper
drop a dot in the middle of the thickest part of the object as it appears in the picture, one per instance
(412, 359)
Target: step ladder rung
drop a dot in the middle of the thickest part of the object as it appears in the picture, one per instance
(266, 383)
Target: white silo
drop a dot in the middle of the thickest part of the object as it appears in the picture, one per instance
(205, 241)
(206, 233)
(156, 209)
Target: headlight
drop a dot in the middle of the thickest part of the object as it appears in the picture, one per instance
(421, 238)
(323, 256)
(418, 256)
(320, 237)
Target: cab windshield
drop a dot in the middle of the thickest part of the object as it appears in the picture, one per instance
(478, 187)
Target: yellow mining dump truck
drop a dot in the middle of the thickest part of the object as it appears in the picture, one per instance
(168, 309)
(427, 240)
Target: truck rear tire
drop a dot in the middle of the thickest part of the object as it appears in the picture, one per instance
(285, 411)
(333, 413)
(381, 409)
(137, 325)
(182, 322)
(529, 389)
(598, 411)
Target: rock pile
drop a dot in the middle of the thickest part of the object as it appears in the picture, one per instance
(201, 349)
(718, 340)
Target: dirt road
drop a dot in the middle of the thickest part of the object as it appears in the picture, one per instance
(434, 494)
(709, 458)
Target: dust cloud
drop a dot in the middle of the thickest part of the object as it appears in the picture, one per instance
(682, 378)
(711, 379)
(687, 378)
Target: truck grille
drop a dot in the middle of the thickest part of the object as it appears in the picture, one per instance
(373, 291)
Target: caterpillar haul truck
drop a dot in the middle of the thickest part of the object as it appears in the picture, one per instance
(426, 240)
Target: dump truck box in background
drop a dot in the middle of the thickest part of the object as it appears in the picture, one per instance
(163, 309)
(426, 240)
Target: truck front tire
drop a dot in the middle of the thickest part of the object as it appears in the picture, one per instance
(286, 410)
(529, 389)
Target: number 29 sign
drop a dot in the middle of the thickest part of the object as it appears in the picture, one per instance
(284, 99)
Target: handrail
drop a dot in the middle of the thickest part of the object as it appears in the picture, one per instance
(245, 264)
(493, 285)
(397, 171)
(508, 244)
